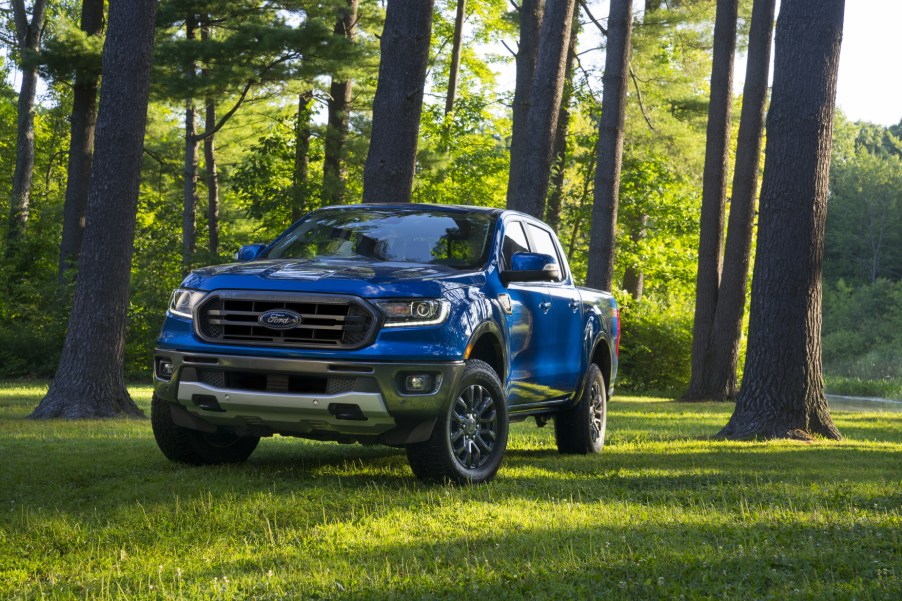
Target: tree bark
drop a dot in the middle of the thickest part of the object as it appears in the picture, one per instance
(530, 28)
(28, 38)
(81, 146)
(389, 169)
(603, 233)
(633, 276)
(782, 392)
(559, 154)
(454, 70)
(334, 170)
(737, 253)
(300, 189)
(530, 187)
(189, 195)
(89, 381)
(212, 175)
(714, 192)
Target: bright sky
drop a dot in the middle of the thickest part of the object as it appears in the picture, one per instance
(867, 88)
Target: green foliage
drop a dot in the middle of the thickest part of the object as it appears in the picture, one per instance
(862, 331)
(864, 221)
(863, 261)
(462, 158)
(68, 50)
(91, 507)
(655, 344)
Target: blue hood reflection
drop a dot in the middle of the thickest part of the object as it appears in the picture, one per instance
(369, 279)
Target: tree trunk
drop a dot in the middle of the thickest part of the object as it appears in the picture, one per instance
(334, 171)
(454, 70)
(89, 381)
(81, 146)
(731, 295)
(28, 37)
(633, 276)
(189, 208)
(530, 187)
(559, 160)
(714, 192)
(530, 28)
(299, 187)
(212, 177)
(782, 391)
(603, 233)
(210, 160)
(390, 163)
(189, 199)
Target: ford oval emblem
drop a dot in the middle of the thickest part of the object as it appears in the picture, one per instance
(279, 319)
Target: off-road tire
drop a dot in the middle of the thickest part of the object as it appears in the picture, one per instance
(470, 437)
(580, 430)
(193, 447)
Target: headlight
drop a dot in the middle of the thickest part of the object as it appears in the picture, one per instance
(413, 312)
(183, 301)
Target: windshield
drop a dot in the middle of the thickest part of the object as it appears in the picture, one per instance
(417, 235)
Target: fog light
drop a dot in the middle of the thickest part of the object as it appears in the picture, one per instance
(417, 383)
(165, 369)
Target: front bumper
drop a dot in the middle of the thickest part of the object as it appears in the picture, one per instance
(330, 400)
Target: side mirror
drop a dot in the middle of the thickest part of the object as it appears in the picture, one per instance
(249, 252)
(531, 267)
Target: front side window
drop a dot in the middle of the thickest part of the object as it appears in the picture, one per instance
(514, 242)
(544, 243)
(431, 236)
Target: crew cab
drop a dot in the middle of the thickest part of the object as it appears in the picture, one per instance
(427, 327)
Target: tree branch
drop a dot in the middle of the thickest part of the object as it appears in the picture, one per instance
(247, 88)
(514, 4)
(639, 98)
(514, 54)
(579, 65)
(589, 14)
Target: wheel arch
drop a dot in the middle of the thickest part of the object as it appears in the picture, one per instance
(601, 356)
(485, 344)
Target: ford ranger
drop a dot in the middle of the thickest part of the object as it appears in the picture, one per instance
(418, 326)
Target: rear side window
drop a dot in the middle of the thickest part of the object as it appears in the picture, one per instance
(514, 242)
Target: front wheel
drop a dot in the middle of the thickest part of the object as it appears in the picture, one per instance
(580, 430)
(469, 439)
(193, 447)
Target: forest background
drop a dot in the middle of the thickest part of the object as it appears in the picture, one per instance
(277, 65)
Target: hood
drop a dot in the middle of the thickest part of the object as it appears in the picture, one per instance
(368, 279)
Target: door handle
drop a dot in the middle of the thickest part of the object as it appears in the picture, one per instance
(574, 305)
(545, 306)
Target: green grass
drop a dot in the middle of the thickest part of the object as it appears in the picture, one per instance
(92, 509)
(889, 388)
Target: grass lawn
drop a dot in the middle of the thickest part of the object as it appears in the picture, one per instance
(92, 509)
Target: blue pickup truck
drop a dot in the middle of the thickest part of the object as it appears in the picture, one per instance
(418, 326)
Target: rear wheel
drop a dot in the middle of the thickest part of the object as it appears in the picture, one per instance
(469, 440)
(185, 445)
(581, 429)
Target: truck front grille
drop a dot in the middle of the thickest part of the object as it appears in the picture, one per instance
(325, 321)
